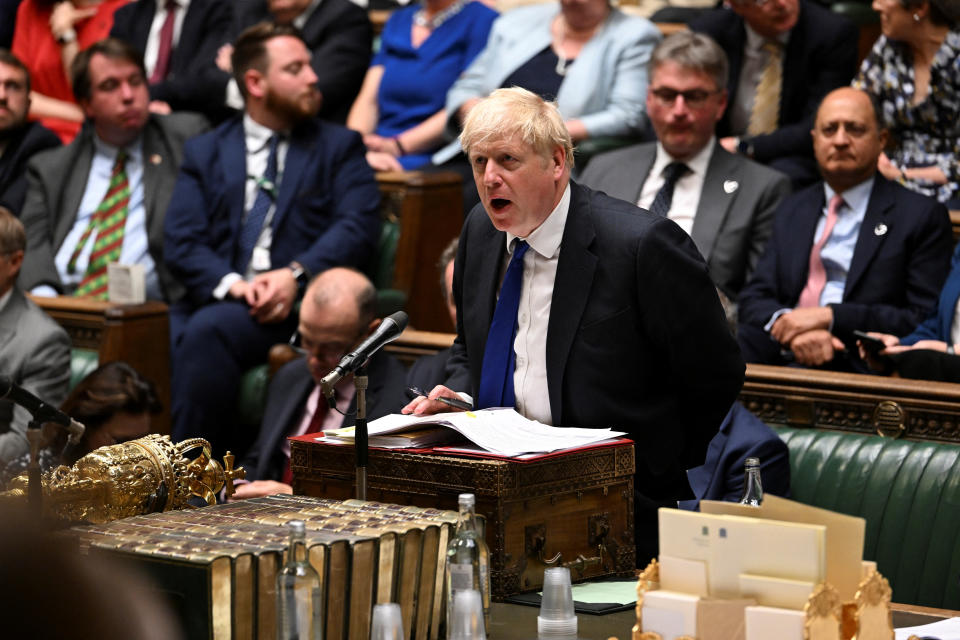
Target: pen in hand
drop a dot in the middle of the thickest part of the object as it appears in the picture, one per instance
(413, 392)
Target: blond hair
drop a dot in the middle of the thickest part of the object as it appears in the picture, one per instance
(516, 112)
(12, 236)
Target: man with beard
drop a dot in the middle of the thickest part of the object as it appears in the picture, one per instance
(262, 202)
(19, 139)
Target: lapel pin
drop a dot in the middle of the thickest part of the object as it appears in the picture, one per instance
(880, 230)
(729, 186)
(156, 159)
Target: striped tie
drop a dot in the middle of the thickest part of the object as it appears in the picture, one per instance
(766, 103)
(109, 220)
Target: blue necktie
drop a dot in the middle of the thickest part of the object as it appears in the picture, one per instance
(496, 376)
(253, 224)
(664, 198)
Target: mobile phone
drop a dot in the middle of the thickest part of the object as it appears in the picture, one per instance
(870, 343)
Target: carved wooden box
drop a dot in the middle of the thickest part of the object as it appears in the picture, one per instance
(578, 505)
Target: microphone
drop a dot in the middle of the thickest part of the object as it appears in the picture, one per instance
(388, 331)
(41, 411)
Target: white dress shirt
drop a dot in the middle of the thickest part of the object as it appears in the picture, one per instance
(136, 246)
(257, 144)
(152, 49)
(533, 314)
(686, 191)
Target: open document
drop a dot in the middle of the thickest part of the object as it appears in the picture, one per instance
(501, 431)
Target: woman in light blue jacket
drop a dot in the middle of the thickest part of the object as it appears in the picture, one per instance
(587, 55)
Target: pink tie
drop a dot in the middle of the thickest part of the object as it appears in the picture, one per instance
(166, 44)
(810, 296)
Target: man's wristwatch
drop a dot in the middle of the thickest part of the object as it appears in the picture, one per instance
(744, 147)
(67, 37)
(950, 349)
(300, 275)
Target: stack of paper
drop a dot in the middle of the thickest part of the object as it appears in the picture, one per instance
(501, 431)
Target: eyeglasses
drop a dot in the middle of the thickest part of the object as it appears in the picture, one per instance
(693, 98)
(322, 350)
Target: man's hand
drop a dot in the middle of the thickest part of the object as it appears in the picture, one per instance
(793, 323)
(159, 107)
(271, 295)
(238, 290)
(224, 55)
(814, 348)
(730, 144)
(429, 405)
(259, 488)
(870, 358)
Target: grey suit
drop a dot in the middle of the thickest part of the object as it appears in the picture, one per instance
(58, 179)
(735, 214)
(35, 353)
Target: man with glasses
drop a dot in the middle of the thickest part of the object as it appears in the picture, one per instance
(785, 55)
(725, 202)
(338, 312)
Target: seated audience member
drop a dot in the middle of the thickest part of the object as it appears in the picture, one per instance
(423, 49)
(338, 35)
(855, 252)
(34, 350)
(114, 403)
(724, 201)
(261, 202)
(429, 371)
(785, 55)
(337, 314)
(588, 56)
(179, 40)
(19, 139)
(742, 435)
(102, 198)
(913, 71)
(47, 37)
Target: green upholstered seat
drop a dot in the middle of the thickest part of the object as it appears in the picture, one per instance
(909, 494)
(82, 363)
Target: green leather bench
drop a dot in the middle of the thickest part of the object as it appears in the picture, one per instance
(909, 494)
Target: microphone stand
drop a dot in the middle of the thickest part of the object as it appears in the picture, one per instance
(35, 487)
(360, 431)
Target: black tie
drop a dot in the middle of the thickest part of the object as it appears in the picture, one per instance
(671, 173)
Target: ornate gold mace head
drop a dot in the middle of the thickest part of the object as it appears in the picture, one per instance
(140, 476)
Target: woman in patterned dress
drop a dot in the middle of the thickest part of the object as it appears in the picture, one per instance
(913, 71)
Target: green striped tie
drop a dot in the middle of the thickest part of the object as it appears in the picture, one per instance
(109, 220)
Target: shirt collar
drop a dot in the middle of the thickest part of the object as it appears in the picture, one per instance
(134, 149)
(755, 41)
(546, 238)
(162, 5)
(301, 19)
(697, 164)
(255, 135)
(856, 197)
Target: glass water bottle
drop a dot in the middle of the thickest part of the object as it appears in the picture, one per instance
(468, 560)
(298, 591)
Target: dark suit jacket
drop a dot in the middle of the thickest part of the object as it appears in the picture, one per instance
(327, 210)
(939, 323)
(821, 55)
(894, 276)
(193, 83)
(742, 435)
(428, 371)
(26, 141)
(735, 213)
(634, 317)
(287, 396)
(340, 38)
(58, 178)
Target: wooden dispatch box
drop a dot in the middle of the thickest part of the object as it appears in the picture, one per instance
(577, 504)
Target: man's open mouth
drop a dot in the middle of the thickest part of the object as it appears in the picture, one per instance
(499, 203)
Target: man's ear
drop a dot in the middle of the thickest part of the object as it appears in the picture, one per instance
(372, 326)
(16, 260)
(559, 159)
(254, 82)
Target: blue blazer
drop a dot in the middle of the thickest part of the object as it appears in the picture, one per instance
(938, 324)
(327, 211)
(742, 435)
(894, 276)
